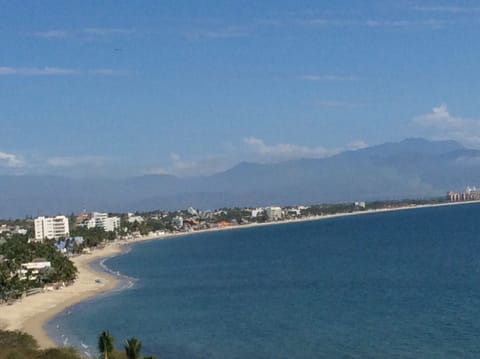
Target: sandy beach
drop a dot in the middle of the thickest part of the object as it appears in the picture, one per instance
(31, 313)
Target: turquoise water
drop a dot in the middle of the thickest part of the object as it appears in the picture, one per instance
(403, 284)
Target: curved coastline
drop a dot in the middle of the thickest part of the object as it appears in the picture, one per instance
(53, 326)
(31, 314)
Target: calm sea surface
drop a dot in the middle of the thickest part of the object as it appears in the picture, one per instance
(403, 284)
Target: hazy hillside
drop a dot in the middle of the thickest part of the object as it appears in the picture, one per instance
(411, 168)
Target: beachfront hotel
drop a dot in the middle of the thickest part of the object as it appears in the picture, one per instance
(51, 227)
(102, 220)
(31, 269)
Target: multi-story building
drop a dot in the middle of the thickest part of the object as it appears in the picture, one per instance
(255, 212)
(470, 194)
(102, 220)
(51, 227)
(177, 221)
(274, 213)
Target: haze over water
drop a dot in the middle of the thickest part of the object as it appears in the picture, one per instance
(402, 284)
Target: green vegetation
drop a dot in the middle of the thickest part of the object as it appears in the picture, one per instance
(405, 202)
(19, 345)
(92, 237)
(132, 348)
(16, 251)
(325, 209)
(106, 347)
(105, 344)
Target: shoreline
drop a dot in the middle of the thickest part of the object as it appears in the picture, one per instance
(32, 313)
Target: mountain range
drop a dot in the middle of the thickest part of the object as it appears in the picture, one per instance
(412, 168)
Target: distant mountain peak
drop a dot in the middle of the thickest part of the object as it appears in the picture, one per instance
(414, 167)
(425, 142)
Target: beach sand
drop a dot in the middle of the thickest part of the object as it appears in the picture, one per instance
(31, 313)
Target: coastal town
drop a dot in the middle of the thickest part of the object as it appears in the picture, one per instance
(45, 261)
(83, 232)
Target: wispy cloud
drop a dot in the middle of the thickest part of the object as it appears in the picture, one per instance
(312, 77)
(285, 151)
(74, 161)
(10, 160)
(250, 149)
(440, 124)
(52, 71)
(4, 70)
(355, 22)
(387, 23)
(376, 23)
(102, 31)
(192, 167)
(220, 33)
(447, 9)
(357, 145)
(52, 34)
(89, 32)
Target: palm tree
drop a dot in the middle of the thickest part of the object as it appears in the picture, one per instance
(132, 348)
(105, 344)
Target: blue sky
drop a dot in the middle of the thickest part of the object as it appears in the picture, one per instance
(122, 88)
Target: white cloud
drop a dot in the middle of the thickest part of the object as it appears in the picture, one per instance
(387, 23)
(74, 161)
(376, 23)
(53, 71)
(252, 149)
(4, 70)
(52, 34)
(285, 151)
(10, 160)
(446, 9)
(102, 31)
(89, 32)
(357, 145)
(440, 124)
(221, 33)
(192, 167)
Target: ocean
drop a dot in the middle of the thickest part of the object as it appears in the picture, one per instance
(403, 284)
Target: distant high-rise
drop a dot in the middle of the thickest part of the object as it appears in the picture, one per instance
(51, 227)
(274, 213)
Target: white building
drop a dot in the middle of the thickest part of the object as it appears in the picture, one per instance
(34, 267)
(192, 211)
(256, 212)
(51, 227)
(274, 213)
(177, 221)
(132, 218)
(102, 220)
(360, 204)
(294, 212)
